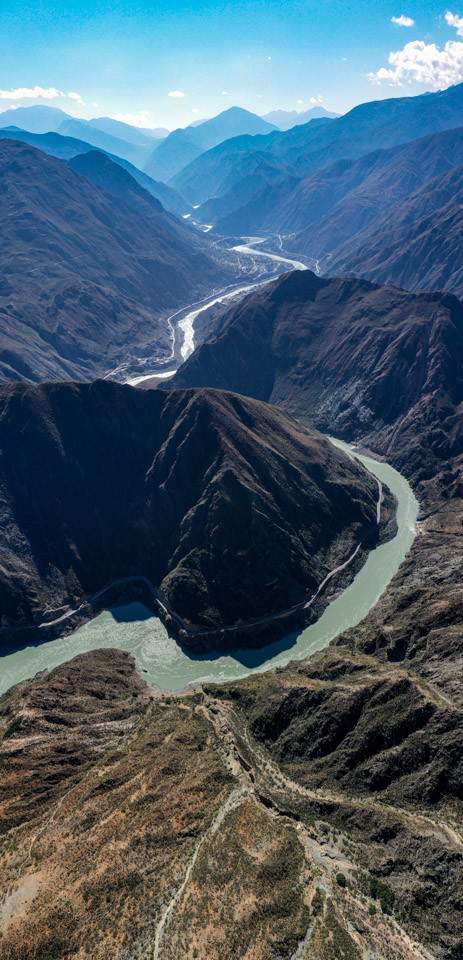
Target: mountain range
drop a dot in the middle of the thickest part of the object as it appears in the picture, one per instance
(185, 145)
(316, 145)
(96, 491)
(87, 276)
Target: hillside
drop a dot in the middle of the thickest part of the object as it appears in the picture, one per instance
(86, 279)
(357, 359)
(66, 148)
(417, 245)
(96, 491)
(335, 203)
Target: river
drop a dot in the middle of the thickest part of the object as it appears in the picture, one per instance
(131, 626)
(163, 661)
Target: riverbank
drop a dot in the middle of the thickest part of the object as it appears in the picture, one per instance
(166, 663)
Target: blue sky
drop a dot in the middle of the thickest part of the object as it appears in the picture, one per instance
(127, 59)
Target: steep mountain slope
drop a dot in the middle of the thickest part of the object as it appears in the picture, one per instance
(66, 148)
(335, 203)
(86, 280)
(303, 150)
(183, 146)
(111, 176)
(417, 245)
(358, 359)
(97, 490)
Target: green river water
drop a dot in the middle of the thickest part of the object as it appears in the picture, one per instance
(131, 626)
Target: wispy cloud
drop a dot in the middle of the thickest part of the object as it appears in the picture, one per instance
(225, 93)
(30, 93)
(403, 21)
(454, 21)
(318, 99)
(177, 93)
(141, 119)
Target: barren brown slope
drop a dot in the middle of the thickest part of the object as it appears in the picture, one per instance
(87, 279)
(227, 505)
(141, 826)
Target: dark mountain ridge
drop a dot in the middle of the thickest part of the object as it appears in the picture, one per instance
(66, 148)
(96, 491)
(358, 359)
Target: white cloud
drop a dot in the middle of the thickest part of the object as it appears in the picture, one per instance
(454, 21)
(225, 93)
(269, 58)
(403, 21)
(425, 63)
(300, 101)
(318, 99)
(28, 93)
(177, 93)
(94, 105)
(74, 96)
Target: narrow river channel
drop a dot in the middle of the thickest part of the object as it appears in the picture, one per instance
(131, 626)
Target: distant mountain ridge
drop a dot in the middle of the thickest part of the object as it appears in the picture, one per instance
(305, 149)
(286, 119)
(184, 145)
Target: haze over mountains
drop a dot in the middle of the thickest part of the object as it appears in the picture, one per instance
(286, 119)
(182, 146)
(302, 150)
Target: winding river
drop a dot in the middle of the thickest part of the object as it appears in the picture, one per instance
(131, 626)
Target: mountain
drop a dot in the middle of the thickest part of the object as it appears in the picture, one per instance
(65, 148)
(96, 491)
(287, 119)
(86, 280)
(110, 175)
(332, 205)
(183, 146)
(305, 149)
(418, 244)
(125, 131)
(357, 359)
(171, 155)
(84, 130)
(35, 119)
